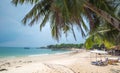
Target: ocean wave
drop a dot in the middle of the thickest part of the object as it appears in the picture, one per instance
(58, 53)
(37, 55)
(64, 52)
(7, 56)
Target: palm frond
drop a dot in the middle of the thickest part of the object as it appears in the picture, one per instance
(46, 18)
(64, 13)
(40, 9)
(16, 2)
(73, 32)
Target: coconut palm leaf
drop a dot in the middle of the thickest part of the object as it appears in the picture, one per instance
(40, 9)
(24, 1)
(44, 20)
(63, 13)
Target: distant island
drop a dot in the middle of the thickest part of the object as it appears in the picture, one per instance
(64, 46)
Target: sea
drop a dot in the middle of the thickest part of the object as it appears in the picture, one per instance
(25, 51)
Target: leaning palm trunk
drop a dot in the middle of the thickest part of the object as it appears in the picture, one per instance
(113, 21)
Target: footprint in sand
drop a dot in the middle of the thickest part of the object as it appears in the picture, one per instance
(60, 68)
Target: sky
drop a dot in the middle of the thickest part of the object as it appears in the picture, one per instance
(14, 34)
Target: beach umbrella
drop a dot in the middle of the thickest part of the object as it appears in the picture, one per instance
(98, 52)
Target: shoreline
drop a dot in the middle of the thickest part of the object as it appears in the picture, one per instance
(34, 55)
(72, 62)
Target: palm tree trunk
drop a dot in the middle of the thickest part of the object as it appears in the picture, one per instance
(113, 21)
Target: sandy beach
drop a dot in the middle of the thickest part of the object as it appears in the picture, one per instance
(73, 62)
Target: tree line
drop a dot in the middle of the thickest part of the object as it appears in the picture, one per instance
(66, 46)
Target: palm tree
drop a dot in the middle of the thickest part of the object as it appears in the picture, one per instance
(106, 11)
(64, 14)
(103, 35)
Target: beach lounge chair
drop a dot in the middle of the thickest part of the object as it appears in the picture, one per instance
(113, 61)
(119, 59)
(100, 62)
(95, 63)
(105, 62)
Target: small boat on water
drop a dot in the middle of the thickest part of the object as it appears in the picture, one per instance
(26, 48)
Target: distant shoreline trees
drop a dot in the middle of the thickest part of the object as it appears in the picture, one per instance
(60, 46)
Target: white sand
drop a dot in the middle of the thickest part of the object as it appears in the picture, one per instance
(75, 62)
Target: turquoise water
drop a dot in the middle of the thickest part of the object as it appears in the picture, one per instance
(21, 51)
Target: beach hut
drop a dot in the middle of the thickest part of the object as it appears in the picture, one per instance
(98, 52)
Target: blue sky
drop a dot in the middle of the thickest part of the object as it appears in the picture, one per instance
(14, 34)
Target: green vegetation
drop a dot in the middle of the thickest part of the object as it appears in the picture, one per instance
(98, 39)
(62, 46)
(103, 17)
